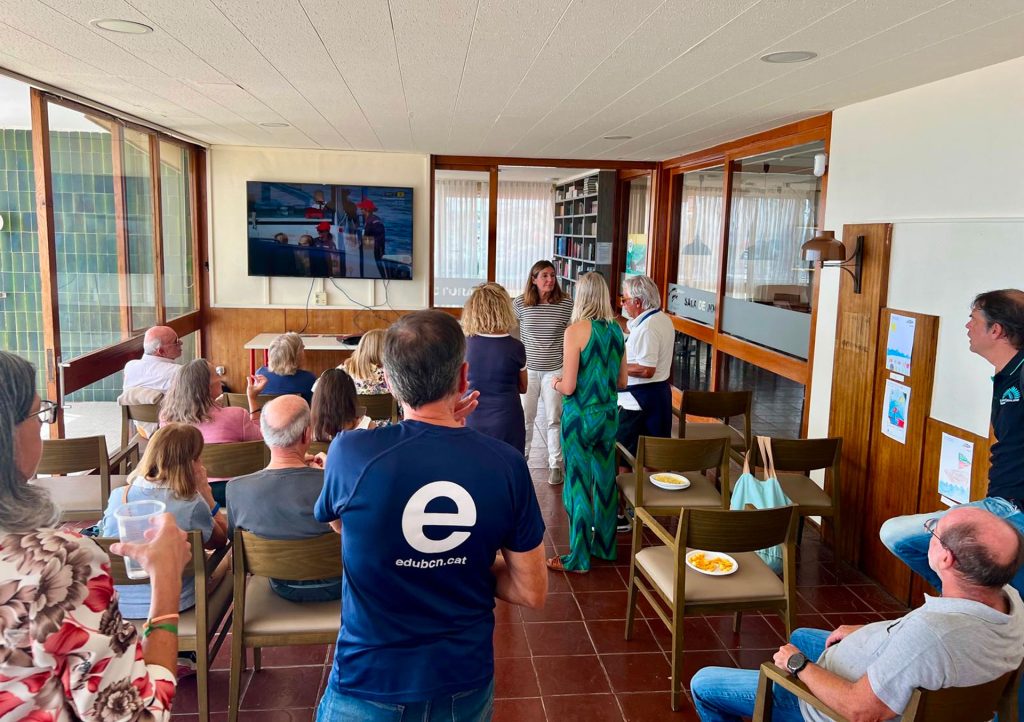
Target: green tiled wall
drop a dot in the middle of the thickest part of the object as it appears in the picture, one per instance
(86, 241)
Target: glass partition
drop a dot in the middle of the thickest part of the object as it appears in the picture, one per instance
(768, 294)
(176, 220)
(526, 225)
(460, 235)
(136, 172)
(694, 295)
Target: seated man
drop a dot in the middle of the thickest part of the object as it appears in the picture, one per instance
(277, 503)
(156, 369)
(970, 635)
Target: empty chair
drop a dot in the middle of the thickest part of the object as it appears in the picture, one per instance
(722, 405)
(261, 617)
(660, 573)
(80, 496)
(686, 457)
(794, 460)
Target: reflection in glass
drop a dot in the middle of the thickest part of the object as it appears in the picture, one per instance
(778, 403)
(637, 222)
(176, 212)
(460, 235)
(138, 206)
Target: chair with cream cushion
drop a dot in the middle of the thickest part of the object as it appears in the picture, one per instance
(722, 405)
(80, 496)
(211, 611)
(261, 617)
(687, 457)
(673, 589)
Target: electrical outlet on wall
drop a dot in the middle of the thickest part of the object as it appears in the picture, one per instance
(320, 298)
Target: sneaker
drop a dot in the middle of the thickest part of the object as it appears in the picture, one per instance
(623, 524)
(557, 476)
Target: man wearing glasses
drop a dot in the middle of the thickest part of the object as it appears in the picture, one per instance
(972, 634)
(157, 368)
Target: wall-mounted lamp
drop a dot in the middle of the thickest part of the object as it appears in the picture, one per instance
(830, 252)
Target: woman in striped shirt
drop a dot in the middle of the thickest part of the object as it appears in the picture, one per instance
(543, 312)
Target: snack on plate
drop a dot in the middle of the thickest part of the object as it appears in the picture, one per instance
(663, 478)
(714, 565)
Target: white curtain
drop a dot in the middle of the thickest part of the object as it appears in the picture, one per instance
(526, 228)
(460, 238)
(700, 231)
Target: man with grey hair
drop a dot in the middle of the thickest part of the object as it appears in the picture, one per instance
(972, 634)
(277, 503)
(156, 369)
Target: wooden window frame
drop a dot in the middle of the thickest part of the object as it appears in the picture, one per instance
(63, 378)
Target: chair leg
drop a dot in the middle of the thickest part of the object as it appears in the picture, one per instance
(257, 659)
(737, 620)
(677, 658)
(235, 679)
(202, 685)
(631, 593)
(800, 529)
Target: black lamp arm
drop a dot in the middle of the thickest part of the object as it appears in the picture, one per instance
(857, 261)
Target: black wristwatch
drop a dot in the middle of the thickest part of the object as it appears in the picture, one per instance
(796, 663)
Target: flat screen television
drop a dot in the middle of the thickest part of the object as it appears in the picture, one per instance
(316, 230)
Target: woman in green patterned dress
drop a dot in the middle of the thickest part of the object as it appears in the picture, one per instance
(593, 371)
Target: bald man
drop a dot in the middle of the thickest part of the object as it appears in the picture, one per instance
(277, 503)
(972, 634)
(156, 369)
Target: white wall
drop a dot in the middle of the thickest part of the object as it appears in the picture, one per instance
(943, 162)
(231, 167)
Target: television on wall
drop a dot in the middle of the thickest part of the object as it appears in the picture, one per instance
(316, 230)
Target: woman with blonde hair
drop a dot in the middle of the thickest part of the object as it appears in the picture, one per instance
(595, 368)
(543, 312)
(170, 472)
(284, 372)
(67, 653)
(497, 364)
(365, 365)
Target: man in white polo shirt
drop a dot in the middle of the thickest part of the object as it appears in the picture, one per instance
(157, 368)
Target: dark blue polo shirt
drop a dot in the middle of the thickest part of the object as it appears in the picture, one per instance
(1006, 473)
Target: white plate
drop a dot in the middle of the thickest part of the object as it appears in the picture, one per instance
(712, 555)
(669, 481)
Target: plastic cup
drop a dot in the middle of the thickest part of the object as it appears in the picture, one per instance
(133, 519)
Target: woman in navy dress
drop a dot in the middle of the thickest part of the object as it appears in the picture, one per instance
(497, 364)
(284, 372)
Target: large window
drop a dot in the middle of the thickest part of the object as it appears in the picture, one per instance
(460, 235)
(638, 219)
(526, 226)
(136, 172)
(694, 295)
(176, 222)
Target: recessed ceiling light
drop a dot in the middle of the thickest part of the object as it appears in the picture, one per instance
(789, 56)
(618, 137)
(275, 125)
(115, 25)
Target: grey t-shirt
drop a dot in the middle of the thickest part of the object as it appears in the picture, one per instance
(276, 503)
(944, 643)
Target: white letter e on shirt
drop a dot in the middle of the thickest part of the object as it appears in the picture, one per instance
(415, 517)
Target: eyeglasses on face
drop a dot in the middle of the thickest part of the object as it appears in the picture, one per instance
(930, 525)
(47, 412)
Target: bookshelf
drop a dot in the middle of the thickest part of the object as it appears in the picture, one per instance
(584, 227)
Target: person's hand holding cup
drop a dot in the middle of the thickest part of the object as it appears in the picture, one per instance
(151, 542)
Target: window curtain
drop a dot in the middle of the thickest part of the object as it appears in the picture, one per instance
(460, 233)
(639, 193)
(700, 234)
(526, 229)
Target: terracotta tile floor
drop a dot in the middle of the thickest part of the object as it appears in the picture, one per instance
(570, 661)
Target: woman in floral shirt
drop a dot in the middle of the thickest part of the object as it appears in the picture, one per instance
(365, 365)
(65, 652)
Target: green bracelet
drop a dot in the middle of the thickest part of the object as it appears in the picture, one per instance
(148, 629)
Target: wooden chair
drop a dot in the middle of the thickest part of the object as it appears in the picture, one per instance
(263, 619)
(131, 440)
(794, 460)
(236, 458)
(242, 401)
(211, 612)
(687, 457)
(379, 406)
(720, 405)
(81, 497)
(316, 447)
(661, 575)
(950, 704)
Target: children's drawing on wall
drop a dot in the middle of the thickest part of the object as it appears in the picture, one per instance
(900, 346)
(894, 413)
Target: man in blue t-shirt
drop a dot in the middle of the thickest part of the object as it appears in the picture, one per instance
(423, 508)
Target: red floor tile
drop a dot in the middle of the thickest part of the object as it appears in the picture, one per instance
(694, 661)
(697, 635)
(515, 677)
(519, 710)
(648, 706)
(755, 632)
(603, 605)
(752, 658)
(505, 613)
(557, 608)
(879, 599)
(282, 688)
(599, 579)
(834, 600)
(185, 697)
(570, 675)
(589, 707)
(510, 641)
(609, 637)
(558, 638)
(637, 672)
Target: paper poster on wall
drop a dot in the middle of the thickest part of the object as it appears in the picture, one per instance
(955, 459)
(894, 412)
(900, 345)
(604, 254)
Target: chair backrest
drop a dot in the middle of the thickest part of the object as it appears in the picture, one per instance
(801, 454)
(317, 447)
(379, 406)
(966, 704)
(234, 459)
(716, 404)
(682, 455)
(117, 570)
(143, 413)
(242, 401)
(743, 530)
(67, 456)
(296, 559)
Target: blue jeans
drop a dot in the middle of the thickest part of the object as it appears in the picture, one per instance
(721, 694)
(314, 590)
(906, 537)
(475, 705)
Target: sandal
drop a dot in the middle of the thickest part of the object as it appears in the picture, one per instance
(555, 563)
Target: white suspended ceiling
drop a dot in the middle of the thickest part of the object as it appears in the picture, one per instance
(540, 78)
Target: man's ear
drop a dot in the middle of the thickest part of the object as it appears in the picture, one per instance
(307, 435)
(463, 378)
(996, 329)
